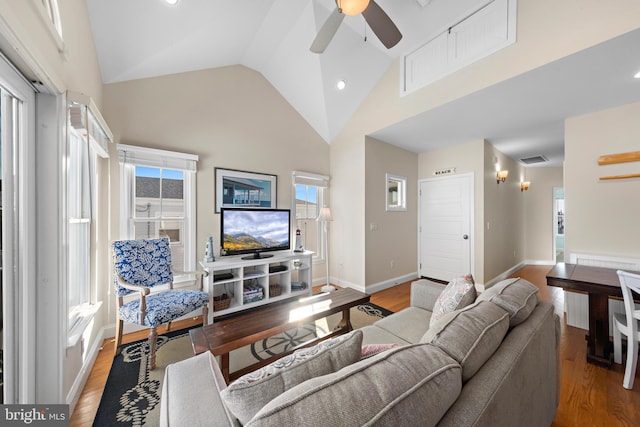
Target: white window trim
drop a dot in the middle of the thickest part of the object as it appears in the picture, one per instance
(322, 181)
(130, 156)
(80, 316)
(53, 23)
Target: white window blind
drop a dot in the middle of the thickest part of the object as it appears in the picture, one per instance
(156, 158)
(307, 178)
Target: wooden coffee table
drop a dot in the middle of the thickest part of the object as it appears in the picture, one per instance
(226, 335)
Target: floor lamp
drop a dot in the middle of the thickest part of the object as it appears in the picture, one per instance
(325, 217)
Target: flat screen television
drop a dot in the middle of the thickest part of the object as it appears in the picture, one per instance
(254, 231)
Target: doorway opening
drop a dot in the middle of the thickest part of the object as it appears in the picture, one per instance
(558, 223)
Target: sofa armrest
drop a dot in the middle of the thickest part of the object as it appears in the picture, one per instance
(191, 394)
(424, 293)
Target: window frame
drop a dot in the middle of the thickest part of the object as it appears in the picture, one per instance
(321, 183)
(87, 125)
(132, 156)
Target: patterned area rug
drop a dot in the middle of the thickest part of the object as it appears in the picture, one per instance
(131, 395)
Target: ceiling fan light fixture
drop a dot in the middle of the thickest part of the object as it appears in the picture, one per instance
(352, 7)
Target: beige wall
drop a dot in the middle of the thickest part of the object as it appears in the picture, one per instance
(602, 216)
(230, 117)
(547, 30)
(538, 212)
(503, 215)
(391, 245)
(347, 195)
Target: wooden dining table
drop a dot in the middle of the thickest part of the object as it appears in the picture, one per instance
(599, 283)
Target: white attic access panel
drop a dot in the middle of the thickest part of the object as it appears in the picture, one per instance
(484, 31)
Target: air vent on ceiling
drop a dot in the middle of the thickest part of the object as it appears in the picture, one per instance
(534, 159)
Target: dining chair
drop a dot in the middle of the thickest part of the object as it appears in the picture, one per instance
(629, 325)
(139, 267)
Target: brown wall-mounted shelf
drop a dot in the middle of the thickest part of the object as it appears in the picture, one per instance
(630, 175)
(612, 159)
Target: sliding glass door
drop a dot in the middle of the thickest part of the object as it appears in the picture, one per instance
(17, 202)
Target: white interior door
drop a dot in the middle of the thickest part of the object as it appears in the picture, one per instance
(445, 226)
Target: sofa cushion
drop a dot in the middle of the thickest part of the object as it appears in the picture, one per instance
(518, 296)
(375, 335)
(470, 335)
(460, 292)
(397, 324)
(245, 396)
(409, 385)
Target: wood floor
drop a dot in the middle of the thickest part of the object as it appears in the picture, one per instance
(590, 395)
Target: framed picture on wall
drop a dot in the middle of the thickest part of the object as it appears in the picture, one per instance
(242, 189)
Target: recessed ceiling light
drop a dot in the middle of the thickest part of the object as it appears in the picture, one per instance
(637, 76)
(341, 84)
(171, 1)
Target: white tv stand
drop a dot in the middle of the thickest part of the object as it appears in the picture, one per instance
(296, 269)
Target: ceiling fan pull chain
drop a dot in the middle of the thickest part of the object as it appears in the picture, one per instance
(365, 32)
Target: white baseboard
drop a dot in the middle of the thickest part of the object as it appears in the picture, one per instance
(386, 284)
(540, 262)
(345, 284)
(81, 379)
(505, 274)
(376, 287)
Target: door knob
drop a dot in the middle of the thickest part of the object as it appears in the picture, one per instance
(465, 237)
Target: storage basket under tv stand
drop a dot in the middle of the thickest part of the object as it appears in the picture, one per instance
(256, 273)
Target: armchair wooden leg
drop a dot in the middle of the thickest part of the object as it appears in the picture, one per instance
(118, 343)
(205, 315)
(153, 338)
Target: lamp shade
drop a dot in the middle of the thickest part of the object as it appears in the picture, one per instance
(325, 215)
(352, 7)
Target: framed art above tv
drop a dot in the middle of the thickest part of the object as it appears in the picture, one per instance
(242, 189)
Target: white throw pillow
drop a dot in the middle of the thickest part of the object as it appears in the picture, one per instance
(459, 293)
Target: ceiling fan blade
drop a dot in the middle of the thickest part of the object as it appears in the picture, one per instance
(382, 25)
(326, 33)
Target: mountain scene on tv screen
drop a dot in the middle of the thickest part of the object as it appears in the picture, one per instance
(246, 241)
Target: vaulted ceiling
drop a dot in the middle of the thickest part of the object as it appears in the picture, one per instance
(146, 38)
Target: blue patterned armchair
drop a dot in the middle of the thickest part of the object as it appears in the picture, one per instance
(140, 265)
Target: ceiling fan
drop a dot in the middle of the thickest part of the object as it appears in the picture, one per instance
(376, 18)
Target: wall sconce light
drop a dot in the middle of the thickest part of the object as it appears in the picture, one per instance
(524, 186)
(502, 175)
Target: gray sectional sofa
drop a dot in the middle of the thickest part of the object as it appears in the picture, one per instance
(493, 362)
